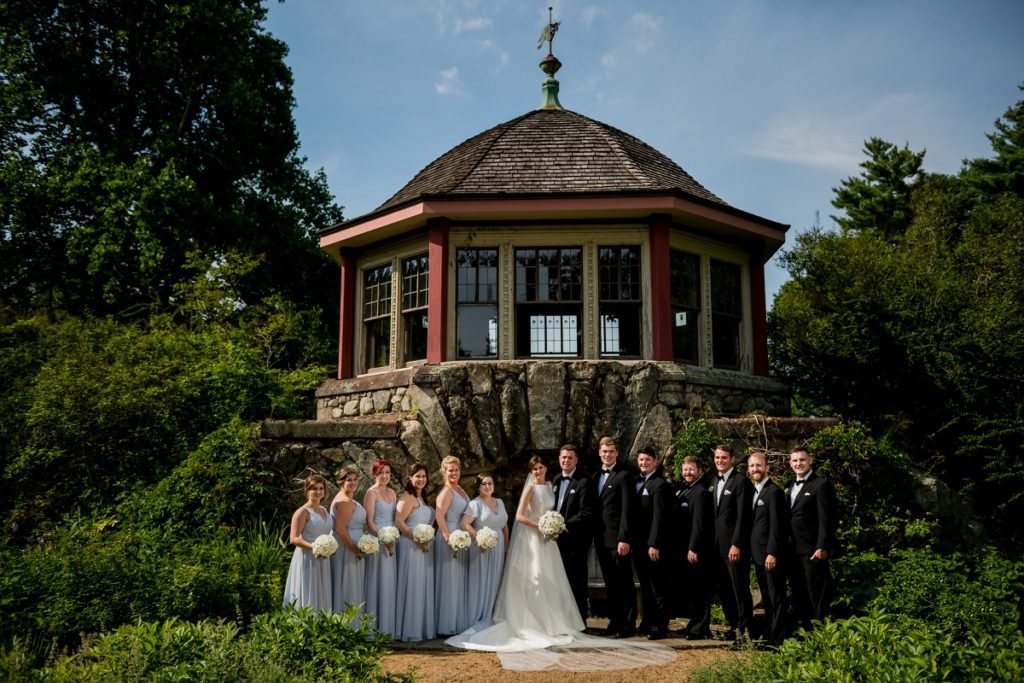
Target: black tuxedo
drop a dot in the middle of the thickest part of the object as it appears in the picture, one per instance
(615, 503)
(653, 529)
(696, 523)
(732, 528)
(769, 535)
(574, 545)
(812, 527)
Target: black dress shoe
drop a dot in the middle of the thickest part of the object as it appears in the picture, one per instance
(625, 633)
(698, 636)
(729, 635)
(609, 632)
(656, 634)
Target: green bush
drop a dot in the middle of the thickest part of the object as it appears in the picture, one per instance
(696, 439)
(879, 648)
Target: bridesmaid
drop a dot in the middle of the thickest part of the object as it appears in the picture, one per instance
(380, 503)
(414, 616)
(309, 577)
(347, 572)
(451, 569)
(485, 566)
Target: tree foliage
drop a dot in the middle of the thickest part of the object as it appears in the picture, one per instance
(878, 199)
(919, 333)
(137, 133)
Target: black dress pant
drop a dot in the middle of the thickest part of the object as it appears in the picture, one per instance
(574, 558)
(773, 596)
(734, 590)
(811, 581)
(693, 595)
(654, 589)
(620, 588)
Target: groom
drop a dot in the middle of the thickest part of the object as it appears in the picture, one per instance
(574, 500)
(616, 495)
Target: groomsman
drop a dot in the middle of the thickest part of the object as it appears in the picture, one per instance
(812, 513)
(575, 501)
(616, 494)
(696, 524)
(652, 549)
(768, 539)
(733, 496)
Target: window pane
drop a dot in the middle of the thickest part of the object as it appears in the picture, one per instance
(414, 282)
(685, 277)
(620, 329)
(726, 314)
(684, 334)
(477, 275)
(378, 342)
(415, 335)
(478, 331)
(725, 288)
(377, 291)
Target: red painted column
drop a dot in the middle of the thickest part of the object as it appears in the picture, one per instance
(347, 319)
(437, 289)
(661, 294)
(758, 315)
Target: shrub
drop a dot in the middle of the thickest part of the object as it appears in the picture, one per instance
(696, 439)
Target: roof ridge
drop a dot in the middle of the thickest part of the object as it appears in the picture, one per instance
(504, 128)
(612, 143)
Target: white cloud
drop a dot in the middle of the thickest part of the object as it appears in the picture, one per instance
(591, 12)
(608, 60)
(644, 30)
(474, 24)
(450, 83)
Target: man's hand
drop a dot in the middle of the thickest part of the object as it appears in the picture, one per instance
(734, 554)
(691, 557)
(769, 563)
(819, 554)
(653, 554)
(623, 549)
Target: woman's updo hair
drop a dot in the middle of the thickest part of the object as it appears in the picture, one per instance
(449, 460)
(378, 465)
(480, 480)
(534, 461)
(345, 471)
(312, 480)
(413, 469)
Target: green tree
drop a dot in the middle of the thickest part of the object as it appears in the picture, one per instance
(879, 199)
(1004, 172)
(136, 133)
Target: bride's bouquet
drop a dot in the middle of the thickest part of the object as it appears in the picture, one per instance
(368, 545)
(324, 546)
(487, 538)
(423, 533)
(388, 535)
(459, 540)
(550, 525)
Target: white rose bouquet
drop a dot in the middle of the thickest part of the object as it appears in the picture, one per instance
(550, 525)
(368, 545)
(459, 540)
(487, 538)
(423, 533)
(388, 535)
(324, 546)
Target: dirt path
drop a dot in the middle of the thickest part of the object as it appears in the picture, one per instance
(460, 666)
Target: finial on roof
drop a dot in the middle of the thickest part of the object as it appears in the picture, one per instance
(549, 65)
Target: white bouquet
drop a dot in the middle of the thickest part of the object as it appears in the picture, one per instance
(487, 538)
(324, 546)
(459, 540)
(388, 535)
(423, 533)
(368, 545)
(551, 524)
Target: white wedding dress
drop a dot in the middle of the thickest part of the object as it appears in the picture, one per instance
(536, 624)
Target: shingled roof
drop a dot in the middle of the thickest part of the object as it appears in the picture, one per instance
(549, 152)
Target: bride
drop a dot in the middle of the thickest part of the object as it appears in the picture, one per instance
(535, 613)
(535, 607)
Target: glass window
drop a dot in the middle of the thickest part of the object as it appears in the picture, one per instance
(377, 316)
(476, 293)
(414, 307)
(726, 314)
(620, 301)
(684, 275)
(548, 302)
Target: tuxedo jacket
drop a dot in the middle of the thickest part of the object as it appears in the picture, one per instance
(653, 527)
(695, 518)
(813, 516)
(733, 514)
(615, 502)
(769, 531)
(578, 510)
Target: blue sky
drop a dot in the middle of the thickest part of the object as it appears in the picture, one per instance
(767, 104)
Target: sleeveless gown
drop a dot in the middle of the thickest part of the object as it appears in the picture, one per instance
(414, 614)
(309, 578)
(451, 574)
(347, 570)
(382, 572)
(485, 567)
(534, 608)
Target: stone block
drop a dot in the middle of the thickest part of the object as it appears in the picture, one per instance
(381, 400)
(431, 414)
(546, 400)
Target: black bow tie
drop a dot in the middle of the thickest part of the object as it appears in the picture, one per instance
(721, 477)
(800, 481)
(607, 471)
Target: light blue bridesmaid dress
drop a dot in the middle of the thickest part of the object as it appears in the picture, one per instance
(347, 570)
(485, 567)
(414, 614)
(382, 572)
(309, 578)
(451, 575)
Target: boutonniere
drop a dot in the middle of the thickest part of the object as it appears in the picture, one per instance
(572, 491)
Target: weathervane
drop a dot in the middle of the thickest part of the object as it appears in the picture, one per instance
(549, 32)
